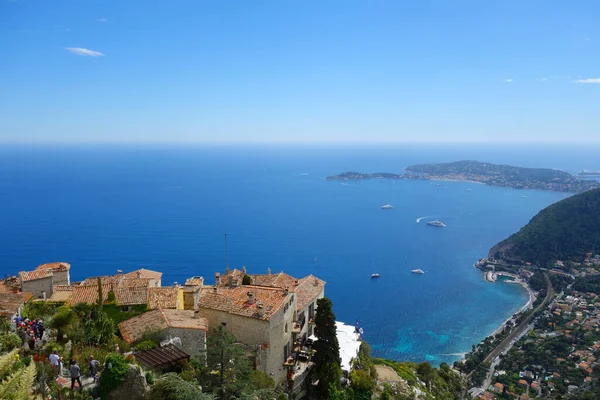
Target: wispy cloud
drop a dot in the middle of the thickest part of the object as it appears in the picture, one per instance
(102, 20)
(589, 80)
(80, 51)
(508, 80)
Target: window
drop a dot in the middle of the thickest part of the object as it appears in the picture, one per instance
(223, 324)
(286, 327)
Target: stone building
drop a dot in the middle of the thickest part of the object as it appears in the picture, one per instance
(60, 271)
(184, 328)
(40, 282)
(274, 314)
(259, 317)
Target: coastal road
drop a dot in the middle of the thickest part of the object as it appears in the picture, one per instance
(519, 330)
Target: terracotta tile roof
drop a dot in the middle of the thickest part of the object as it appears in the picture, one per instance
(161, 356)
(62, 293)
(144, 273)
(135, 282)
(307, 291)
(117, 280)
(162, 297)
(56, 266)
(234, 300)
(35, 274)
(195, 281)
(135, 328)
(10, 302)
(280, 280)
(129, 296)
(232, 275)
(106, 280)
(88, 294)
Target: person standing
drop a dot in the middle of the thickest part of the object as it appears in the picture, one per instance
(55, 363)
(93, 366)
(75, 373)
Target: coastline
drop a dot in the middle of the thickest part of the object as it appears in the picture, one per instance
(528, 304)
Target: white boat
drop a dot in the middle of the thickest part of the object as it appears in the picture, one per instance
(439, 224)
(417, 271)
(387, 207)
(468, 190)
(374, 276)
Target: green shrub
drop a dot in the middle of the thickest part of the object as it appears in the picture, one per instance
(114, 374)
(146, 345)
(10, 341)
(260, 380)
(111, 297)
(150, 377)
(172, 387)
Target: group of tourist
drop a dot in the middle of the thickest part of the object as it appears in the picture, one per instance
(29, 331)
(74, 369)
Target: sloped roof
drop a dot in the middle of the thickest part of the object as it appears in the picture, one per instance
(280, 279)
(162, 297)
(35, 274)
(231, 275)
(308, 290)
(89, 294)
(56, 266)
(129, 296)
(105, 280)
(234, 300)
(144, 273)
(10, 302)
(195, 281)
(135, 328)
(161, 356)
(62, 293)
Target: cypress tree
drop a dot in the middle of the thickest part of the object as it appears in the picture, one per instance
(327, 357)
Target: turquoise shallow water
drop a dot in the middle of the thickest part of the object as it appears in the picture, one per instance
(109, 208)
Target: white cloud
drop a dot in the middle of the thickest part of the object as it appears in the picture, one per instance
(80, 51)
(102, 20)
(589, 80)
(509, 80)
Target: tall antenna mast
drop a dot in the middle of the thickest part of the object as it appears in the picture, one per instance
(226, 254)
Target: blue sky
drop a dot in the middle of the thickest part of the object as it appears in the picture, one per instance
(299, 71)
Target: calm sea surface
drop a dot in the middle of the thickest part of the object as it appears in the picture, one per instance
(107, 208)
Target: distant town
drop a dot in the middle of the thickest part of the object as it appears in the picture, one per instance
(481, 172)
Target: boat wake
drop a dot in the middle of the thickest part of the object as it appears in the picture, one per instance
(304, 174)
(420, 218)
(346, 184)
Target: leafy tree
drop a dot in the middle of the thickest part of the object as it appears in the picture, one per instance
(327, 356)
(99, 330)
(172, 387)
(246, 280)
(227, 358)
(362, 384)
(113, 375)
(260, 380)
(64, 319)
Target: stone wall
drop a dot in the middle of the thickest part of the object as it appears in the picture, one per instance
(280, 332)
(61, 278)
(193, 341)
(38, 286)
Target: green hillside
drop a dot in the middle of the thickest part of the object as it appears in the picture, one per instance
(566, 230)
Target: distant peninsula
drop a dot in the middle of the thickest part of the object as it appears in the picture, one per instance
(482, 172)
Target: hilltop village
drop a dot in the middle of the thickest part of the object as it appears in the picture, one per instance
(246, 336)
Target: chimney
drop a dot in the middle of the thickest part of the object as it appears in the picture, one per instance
(215, 289)
(244, 270)
(119, 272)
(44, 295)
(287, 290)
(260, 308)
(296, 282)
(139, 274)
(269, 271)
(175, 284)
(196, 314)
(251, 298)
(217, 278)
(234, 282)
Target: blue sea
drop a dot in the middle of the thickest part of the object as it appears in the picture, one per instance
(109, 207)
